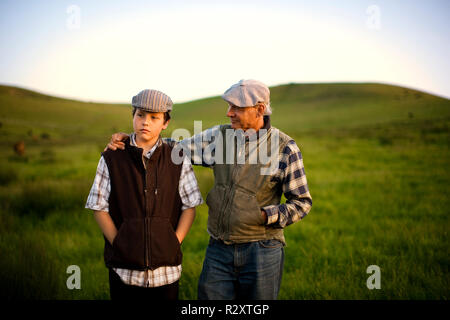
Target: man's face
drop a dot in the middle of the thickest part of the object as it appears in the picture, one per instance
(243, 118)
(148, 125)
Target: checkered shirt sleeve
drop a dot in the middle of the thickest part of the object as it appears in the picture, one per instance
(188, 187)
(291, 175)
(100, 190)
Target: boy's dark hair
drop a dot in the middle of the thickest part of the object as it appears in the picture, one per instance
(166, 114)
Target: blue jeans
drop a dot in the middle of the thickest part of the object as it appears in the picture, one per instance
(249, 271)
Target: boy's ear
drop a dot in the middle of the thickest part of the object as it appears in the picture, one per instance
(165, 125)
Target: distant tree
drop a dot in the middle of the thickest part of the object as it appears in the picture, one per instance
(19, 148)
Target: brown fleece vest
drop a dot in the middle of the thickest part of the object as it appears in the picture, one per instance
(145, 206)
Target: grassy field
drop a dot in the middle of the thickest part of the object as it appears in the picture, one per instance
(376, 159)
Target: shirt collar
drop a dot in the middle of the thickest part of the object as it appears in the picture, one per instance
(266, 126)
(150, 152)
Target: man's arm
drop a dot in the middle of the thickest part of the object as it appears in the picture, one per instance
(200, 148)
(106, 224)
(292, 177)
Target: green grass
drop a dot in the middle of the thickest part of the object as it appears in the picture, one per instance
(376, 159)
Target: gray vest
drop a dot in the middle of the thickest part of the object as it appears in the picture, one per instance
(240, 191)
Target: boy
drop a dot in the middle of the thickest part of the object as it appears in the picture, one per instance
(144, 205)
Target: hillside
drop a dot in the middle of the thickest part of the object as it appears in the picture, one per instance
(297, 108)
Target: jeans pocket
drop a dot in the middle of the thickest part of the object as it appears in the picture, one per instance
(271, 243)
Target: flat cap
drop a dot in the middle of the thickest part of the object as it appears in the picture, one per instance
(152, 101)
(247, 93)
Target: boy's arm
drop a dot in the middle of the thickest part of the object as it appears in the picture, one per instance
(106, 225)
(190, 196)
(98, 201)
(185, 223)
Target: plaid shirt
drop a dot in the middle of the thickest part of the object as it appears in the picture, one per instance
(290, 175)
(190, 196)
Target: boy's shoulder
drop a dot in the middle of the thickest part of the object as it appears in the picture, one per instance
(108, 154)
(118, 153)
(174, 153)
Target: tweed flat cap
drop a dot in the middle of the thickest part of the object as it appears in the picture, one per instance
(152, 101)
(247, 93)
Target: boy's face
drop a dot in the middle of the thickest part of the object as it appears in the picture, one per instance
(148, 125)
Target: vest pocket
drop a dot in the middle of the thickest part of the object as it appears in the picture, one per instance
(245, 217)
(128, 245)
(165, 248)
(215, 202)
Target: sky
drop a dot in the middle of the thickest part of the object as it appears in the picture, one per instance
(108, 51)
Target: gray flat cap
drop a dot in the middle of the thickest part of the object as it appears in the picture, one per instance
(152, 101)
(248, 93)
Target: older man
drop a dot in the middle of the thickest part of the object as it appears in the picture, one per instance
(245, 255)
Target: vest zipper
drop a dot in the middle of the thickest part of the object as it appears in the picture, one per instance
(146, 241)
(146, 246)
(234, 174)
(145, 253)
(147, 235)
(222, 214)
(225, 225)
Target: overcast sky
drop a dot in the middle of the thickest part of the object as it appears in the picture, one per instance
(108, 51)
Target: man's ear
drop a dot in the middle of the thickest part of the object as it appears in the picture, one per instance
(260, 108)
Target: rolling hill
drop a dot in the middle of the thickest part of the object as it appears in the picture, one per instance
(297, 108)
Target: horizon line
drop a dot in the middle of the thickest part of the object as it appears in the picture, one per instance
(215, 96)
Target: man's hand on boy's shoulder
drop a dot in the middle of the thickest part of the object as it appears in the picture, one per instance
(117, 138)
(116, 141)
